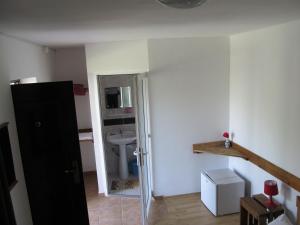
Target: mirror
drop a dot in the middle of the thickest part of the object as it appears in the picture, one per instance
(118, 97)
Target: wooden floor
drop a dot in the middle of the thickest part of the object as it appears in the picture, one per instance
(186, 210)
(177, 210)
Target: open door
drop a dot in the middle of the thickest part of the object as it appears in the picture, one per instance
(143, 151)
(49, 145)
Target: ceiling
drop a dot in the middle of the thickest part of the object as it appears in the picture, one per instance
(74, 22)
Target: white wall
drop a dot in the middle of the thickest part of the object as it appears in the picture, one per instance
(70, 64)
(110, 58)
(189, 96)
(19, 60)
(122, 57)
(184, 107)
(264, 102)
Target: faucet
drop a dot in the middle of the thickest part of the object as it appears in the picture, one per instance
(121, 132)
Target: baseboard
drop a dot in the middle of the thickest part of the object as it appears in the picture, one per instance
(160, 197)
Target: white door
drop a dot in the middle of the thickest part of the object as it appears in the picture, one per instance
(143, 151)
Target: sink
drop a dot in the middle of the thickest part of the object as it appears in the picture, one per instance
(122, 140)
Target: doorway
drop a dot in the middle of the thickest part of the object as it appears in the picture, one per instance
(121, 109)
(119, 133)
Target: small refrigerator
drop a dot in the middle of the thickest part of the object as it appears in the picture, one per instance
(221, 191)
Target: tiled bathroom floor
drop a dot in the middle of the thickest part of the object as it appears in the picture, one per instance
(135, 192)
(111, 210)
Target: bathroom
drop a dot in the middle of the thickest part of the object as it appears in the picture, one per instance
(117, 96)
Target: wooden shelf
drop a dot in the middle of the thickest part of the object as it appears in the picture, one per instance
(85, 130)
(236, 150)
(86, 135)
(217, 148)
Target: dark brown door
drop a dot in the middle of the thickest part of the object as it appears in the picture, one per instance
(49, 145)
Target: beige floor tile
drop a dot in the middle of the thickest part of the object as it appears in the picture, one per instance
(110, 222)
(93, 217)
(178, 210)
(112, 210)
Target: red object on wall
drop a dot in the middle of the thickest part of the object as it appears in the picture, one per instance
(271, 189)
(79, 89)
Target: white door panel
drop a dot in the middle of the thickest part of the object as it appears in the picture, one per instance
(143, 151)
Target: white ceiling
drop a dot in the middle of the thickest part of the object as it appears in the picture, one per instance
(72, 22)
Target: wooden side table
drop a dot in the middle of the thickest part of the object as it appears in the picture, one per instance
(255, 212)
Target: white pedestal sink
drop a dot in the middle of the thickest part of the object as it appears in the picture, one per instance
(122, 140)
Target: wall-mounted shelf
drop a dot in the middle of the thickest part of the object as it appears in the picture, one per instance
(86, 135)
(217, 148)
(236, 150)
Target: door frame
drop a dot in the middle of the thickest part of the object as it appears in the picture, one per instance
(96, 116)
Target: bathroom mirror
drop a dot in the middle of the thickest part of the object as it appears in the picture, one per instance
(118, 97)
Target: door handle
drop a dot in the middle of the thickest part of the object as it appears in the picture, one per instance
(74, 171)
(69, 171)
(139, 155)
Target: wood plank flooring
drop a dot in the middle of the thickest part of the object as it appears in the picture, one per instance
(186, 210)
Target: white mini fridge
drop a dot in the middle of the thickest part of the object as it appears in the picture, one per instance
(221, 191)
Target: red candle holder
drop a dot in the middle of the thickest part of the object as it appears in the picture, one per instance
(271, 189)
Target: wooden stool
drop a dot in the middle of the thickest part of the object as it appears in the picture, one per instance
(255, 212)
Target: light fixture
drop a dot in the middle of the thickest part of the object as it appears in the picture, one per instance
(182, 4)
